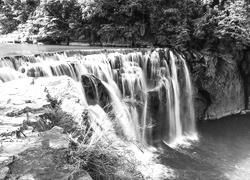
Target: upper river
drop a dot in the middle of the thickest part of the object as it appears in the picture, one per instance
(28, 49)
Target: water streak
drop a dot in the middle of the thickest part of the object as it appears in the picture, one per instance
(149, 93)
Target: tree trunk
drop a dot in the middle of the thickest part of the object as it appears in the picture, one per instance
(67, 40)
(133, 40)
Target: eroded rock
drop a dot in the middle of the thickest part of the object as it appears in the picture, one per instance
(219, 76)
(42, 164)
(95, 91)
(81, 175)
(55, 138)
(4, 173)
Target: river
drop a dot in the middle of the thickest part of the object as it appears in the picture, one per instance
(223, 148)
(28, 49)
(222, 152)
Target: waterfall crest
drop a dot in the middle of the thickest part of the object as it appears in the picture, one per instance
(146, 95)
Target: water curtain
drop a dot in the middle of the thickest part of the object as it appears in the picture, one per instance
(146, 95)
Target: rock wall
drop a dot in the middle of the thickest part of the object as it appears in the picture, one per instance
(219, 86)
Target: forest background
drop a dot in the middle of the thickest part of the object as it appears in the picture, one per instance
(182, 24)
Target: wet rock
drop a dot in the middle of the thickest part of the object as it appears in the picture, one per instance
(55, 138)
(219, 76)
(247, 111)
(95, 91)
(41, 163)
(27, 177)
(243, 112)
(4, 173)
(200, 107)
(45, 163)
(81, 175)
(157, 114)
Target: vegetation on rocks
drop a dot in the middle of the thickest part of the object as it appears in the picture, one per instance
(99, 152)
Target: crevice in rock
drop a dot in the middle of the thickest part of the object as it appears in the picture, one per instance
(244, 68)
(206, 98)
(246, 91)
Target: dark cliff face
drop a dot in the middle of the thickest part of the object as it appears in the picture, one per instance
(218, 80)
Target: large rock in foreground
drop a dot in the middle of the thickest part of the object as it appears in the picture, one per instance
(30, 150)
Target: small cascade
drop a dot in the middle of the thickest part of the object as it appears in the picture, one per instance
(8, 74)
(99, 118)
(124, 120)
(146, 95)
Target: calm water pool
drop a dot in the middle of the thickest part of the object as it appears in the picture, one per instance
(222, 152)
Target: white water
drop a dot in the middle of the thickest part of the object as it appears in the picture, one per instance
(128, 78)
(176, 122)
(189, 124)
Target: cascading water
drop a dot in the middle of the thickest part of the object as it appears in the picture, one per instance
(176, 124)
(8, 74)
(149, 95)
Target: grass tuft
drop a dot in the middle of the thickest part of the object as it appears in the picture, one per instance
(102, 154)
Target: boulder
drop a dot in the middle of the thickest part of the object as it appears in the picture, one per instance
(4, 173)
(55, 138)
(81, 175)
(45, 163)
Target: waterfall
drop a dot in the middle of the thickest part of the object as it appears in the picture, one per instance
(176, 125)
(147, 96)
(8, 74)
(189, 124)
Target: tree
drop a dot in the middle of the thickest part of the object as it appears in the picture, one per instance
(64, 18)
(13, 13)
(229, 23)
(116, 19)
(172, 22)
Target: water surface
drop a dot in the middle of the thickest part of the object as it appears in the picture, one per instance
(223, 151)
(28, 49)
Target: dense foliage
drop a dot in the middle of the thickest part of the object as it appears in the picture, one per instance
(13, 13)
(182, 24)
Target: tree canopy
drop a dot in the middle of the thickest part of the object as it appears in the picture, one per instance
(174, 23)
